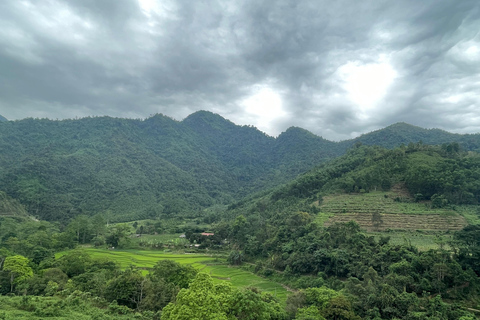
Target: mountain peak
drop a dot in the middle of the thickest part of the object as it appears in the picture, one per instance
(298, 132)
(205, 115)
(202, 118)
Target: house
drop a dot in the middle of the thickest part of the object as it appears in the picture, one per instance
(182, 236)
(207, 234)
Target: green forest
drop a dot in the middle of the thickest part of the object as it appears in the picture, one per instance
(384, 226)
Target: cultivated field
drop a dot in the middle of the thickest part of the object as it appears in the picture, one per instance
(215, 267)
(379, 211)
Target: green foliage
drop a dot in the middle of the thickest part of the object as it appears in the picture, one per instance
(119, 236)
(11, 207)
(134, 169)
(319, 297)
(235, 257)
(127, 289)
(205, 300)
(467, 247)
(143, 169)
(18, 268)
(173, 272)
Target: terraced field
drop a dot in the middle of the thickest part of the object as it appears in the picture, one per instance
(378, 211)
(403, 222)
(216, 267)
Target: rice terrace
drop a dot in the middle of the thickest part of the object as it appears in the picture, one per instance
(216, 267)
(381, 211)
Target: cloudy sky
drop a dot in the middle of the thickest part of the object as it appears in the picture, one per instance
(336, 68)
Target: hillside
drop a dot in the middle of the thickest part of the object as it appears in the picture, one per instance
(10, 207)
(2, 118)
(380, 211)
(402, 133)
(409, 188)
(131, 169)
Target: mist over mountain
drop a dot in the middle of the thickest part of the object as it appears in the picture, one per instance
(133, 169)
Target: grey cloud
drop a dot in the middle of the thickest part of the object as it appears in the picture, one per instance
(76, 58)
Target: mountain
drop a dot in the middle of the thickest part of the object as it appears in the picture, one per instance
(10, 207)
(2, 118)
(132, 169)
(403, 133)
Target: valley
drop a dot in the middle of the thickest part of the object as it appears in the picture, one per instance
(145, 218)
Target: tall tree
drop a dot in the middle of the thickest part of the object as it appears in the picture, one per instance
(18, 268)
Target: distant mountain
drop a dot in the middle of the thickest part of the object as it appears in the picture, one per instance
(2, 118)
(132, 169)
(403, 133)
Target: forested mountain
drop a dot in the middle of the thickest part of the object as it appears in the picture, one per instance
(439, 176)
(10, 207)
(403, 133)
(130, 169)
(434, 177)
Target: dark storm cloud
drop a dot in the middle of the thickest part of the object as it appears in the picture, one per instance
(61, 59)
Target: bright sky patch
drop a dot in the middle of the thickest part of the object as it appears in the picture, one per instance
(367, 84)
(265, 104)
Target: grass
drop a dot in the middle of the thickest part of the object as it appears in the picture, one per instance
(471, 213)
(378, 201)
(423, 241)
(216, 267)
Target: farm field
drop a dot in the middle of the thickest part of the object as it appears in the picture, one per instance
(423, 241)
(217, 268)
(391, 214)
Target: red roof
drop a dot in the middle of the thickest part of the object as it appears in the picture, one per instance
(207, 234)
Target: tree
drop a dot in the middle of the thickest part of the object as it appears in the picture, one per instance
(468, 247)
(204, 300)
(201, 301)
(119, 235)
(173, 272)
(250, 304)
(376, 220)
(18, 268)
(239, 231)
(74, 262)
(128, 289)
(320, 297)
(158, 294)
(308, 313)
(339, 308)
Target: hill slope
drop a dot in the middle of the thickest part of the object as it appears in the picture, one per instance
(136, 169)
(404, 188)
(10, 207)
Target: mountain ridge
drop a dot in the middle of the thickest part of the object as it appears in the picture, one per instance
(137, 168)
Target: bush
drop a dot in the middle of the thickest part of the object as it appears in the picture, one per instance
(235, 257)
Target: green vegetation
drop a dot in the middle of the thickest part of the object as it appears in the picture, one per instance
(10, 207)
(76, 305)
(129, 169)
(382, 211)
(216, 267)
(160, 219)
(132, 169)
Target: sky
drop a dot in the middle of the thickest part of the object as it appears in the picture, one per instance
(336, 68)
